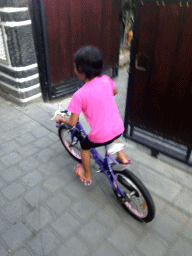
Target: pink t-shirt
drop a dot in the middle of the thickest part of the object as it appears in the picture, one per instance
(96, 100)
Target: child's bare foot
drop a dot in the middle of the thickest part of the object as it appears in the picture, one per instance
(81, 174)
(122, 158)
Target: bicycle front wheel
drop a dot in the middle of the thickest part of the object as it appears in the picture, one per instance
(73, 148)
(140, 203)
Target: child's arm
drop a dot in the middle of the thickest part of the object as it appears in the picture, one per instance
(72, 121)
(115, 91)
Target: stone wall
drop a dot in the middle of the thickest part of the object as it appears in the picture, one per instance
(19, 76)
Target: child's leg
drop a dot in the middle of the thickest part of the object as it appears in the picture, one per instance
(85, 157)
(121, 155)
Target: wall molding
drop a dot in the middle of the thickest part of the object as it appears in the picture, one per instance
(18, 69)
(13, 9)
(20, 80)
(12, 24)
(20, 90)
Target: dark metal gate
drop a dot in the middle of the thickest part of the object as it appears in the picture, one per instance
(63, 26)
(160, 78)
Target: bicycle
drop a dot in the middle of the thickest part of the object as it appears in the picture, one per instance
(126, 186)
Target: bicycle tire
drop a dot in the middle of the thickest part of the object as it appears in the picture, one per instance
(145, 211)
(65, 137)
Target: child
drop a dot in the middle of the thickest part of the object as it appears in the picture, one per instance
(96, 100)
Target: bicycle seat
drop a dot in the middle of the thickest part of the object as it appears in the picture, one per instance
(114, 147)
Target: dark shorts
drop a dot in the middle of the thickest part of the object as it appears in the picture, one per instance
(86, 144)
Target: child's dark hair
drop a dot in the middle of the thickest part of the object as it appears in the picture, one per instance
(89, 61)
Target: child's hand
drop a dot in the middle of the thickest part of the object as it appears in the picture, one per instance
(57, 119)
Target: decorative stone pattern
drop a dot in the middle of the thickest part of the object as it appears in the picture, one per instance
(19, 76)
(13, 3)
(3, 55)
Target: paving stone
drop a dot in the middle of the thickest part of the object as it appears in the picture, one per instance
(25, 139)
(2, 200)
(50, 168)
(181, 247)
(28, 150)
(8, 126)
(9, 147)
(135, 253)
(35, 112)
(107, 250)
(21, 119)
(58, 147)
(39, 217)
(44, 242)
(1, 140)
(130, 223)
(2, 165)
(93, 232)
(32, 179)
(22, 252)
(9, 114)
(188, 228)
(27, 127)
(63, 159)
(15, 210)
(11, 173)
(59, 202)
(173, 173)
(97, 195)
(75, 190)
(16, 235)
(67, 173)
(3, 251)
(54, 183)
(151, 244)
(35, 196)
(43, 142)
(173, 162)
(54, 137)
(40, 132)
(109, 216)
(2, 153)
(11, 159)
(74, 247)
(184, 200)
(159, 204)
(169, 219)
(65, 225)
(10, 135)
(29, 164)
(2, 225)
(158, 184)
(2, 183)
(13, 190)
(46, 154)
(123, 239)
(84, 208)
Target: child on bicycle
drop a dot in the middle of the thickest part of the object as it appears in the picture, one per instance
(96, 100)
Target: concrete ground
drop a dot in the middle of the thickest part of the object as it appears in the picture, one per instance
(46, 210)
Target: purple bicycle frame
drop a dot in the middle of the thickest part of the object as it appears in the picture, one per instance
(103, 163)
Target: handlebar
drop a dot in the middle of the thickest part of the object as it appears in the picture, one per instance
(60, 112)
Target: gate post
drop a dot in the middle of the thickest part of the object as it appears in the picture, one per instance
(19, 76)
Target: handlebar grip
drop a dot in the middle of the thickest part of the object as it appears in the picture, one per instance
(58, 125)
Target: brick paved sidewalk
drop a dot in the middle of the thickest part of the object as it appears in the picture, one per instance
(46, 210)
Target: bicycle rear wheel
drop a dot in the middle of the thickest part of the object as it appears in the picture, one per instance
(140, 203)
(73, 148)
